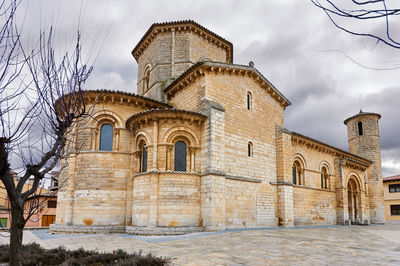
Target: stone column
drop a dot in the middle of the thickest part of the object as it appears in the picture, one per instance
(155, 145)
(285, 205)
(94, 139)
(342, 207)
(117, 131)
(215, 140)
(173, 52)
(364, 206)
(129, 201)
(192, 151)
(213, 183)
(70, 191)
(377, 209)
(284, 155)
(213, 202)
(284, 177)
(137, 155)
(168, 160)
(353, 206)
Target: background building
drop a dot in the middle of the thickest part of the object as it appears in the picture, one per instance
(391, 194)
(42, 205)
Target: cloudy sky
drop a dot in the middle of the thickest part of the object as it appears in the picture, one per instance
(327, 74)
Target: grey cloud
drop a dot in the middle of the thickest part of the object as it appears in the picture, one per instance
(285, 39)
(386, 103)
(389, 171)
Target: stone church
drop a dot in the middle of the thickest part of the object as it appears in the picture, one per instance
(202, 146)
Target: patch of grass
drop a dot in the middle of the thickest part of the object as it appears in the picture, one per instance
(34, 254)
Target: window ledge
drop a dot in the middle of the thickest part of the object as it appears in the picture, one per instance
(114, 152)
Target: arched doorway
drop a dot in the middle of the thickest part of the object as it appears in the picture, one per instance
(353, 196)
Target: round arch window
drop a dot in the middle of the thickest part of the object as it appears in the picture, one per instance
(180, 156)
(106, 137)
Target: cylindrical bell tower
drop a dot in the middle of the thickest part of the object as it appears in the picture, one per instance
(364, 141)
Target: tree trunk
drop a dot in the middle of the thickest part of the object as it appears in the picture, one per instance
(16, 230)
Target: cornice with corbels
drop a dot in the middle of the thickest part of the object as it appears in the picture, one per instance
(99, 97)
(148, 118)
(351, 161)
(150, 37)
(194, 75)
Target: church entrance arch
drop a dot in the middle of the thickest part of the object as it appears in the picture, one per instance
(353, 196)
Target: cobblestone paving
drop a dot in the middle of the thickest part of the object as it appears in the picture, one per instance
(339, 245)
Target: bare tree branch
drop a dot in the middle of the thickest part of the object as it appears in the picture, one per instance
(371, 10)
(41, 99)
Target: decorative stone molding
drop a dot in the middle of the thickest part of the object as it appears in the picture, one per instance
(158, 230)
(200, 68)
(182, 26)
(151, 172)
(214, 172)
(119, 97)
(112, 229)
(214, 105)
(242, 178)
(146, 117)
(352, 160)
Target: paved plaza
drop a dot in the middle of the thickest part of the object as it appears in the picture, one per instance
(329, 245)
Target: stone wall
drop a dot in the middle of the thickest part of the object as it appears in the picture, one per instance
(313, 161)
(220, 110)
(191, 98)
(173, 197)
(201, 49)
(169, 55)
(243, 126)
(157, 58)
(141, 200)
(93, 184)
(367, 145)
(249, 204)
(240, 204)
(313, 206)
(179, 200)
(100, 188)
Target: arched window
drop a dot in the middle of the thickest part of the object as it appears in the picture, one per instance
(360, 128)
(250, 149)
(146, 79)
(143, 157)
(249, 101)
(297, 173)
(324, 178)
(106, 137)
(180, 156)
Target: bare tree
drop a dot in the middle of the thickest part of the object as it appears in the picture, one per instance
(362, 11)
(41, 99)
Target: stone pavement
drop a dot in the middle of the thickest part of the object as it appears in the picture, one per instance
(330, 245)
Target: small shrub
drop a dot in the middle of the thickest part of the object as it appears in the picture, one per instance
(34, 254)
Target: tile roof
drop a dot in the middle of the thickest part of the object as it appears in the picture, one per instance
(229, 66)
(128, 94)
(361, 113)
(155, 111)
(179, 23)
(49, 194)
(391, 178)
(355, 158)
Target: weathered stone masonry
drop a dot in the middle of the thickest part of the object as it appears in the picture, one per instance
(202, 147)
